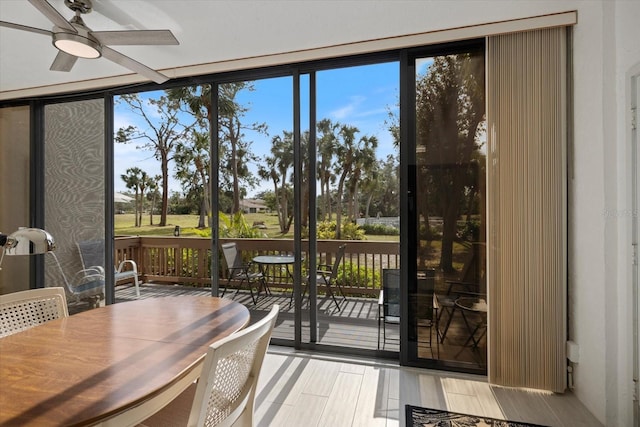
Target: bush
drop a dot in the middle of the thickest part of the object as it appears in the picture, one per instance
(350, 274)
(380, 230)
(237, 226)
(470, 231)
(350, 231)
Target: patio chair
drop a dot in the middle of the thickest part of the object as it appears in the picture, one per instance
(237, 269)
(466, 285)
(425, 312)
(327, 274)
(388, 302)
(92, 256)
(226, 391)
(85, 285)
(25, 309)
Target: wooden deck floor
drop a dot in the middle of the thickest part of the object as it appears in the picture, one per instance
(354, 326)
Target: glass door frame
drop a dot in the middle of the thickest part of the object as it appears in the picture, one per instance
(409, 240)
(298, 72)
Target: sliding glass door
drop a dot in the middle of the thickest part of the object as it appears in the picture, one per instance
(446, 216)
(74, 187)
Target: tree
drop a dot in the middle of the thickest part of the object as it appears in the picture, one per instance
(153, 195)
(164, 129)
(132, 180)
(349, 151)
(363, 173)
(234, 151)
(238, 155)
(384, 199)
(326, 143)
(276, 168)
(193, 164)
(450, 113)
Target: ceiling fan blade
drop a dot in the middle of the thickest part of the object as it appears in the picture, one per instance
(133, 65)
(52, 14)
(135, 37)
(63, 62)
(24, 28)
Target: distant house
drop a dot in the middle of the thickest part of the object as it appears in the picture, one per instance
(253, 206)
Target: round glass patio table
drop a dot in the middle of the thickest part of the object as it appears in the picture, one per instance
(274, 259)
(264, 261)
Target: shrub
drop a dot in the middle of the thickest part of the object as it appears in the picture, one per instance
(380, 230)
(470, 231)
(237, 226)
(350, 231)
(350, 274)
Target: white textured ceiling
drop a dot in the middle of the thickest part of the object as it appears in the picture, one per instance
(215, 31)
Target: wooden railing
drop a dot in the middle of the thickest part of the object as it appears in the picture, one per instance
(187, 260)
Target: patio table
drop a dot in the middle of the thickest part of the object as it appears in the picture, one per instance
(477, 306)
(264, 261)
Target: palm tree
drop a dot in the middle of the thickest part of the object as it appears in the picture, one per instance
(132, 181)
(348, 154)
(277, 168)
(326, 150)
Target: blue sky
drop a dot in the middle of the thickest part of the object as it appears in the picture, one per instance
(357, 96)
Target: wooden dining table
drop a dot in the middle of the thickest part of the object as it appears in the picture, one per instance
(114, 365)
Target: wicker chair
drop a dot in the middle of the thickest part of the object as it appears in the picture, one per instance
(25, 309)
(226, 391)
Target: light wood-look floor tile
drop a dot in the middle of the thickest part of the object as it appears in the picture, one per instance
(310, 389)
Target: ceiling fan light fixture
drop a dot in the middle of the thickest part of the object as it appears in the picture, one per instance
(77, 45)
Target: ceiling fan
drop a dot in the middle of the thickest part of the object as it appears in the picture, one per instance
(75, 40)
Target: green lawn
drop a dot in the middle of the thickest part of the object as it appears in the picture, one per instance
(124, 226)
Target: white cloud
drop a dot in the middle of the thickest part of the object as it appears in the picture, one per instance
(348, 110)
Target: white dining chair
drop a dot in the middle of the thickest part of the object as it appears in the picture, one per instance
(25, 309)
(226, 391)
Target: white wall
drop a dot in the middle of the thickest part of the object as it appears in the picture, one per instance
(587, 303)
(605, 48)
(627, 63)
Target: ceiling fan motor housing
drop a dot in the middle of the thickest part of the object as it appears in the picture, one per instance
(82, 6)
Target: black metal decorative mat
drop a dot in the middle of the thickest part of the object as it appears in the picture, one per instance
(425, 417)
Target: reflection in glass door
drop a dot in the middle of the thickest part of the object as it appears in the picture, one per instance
(74, 186)
(447, 291)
